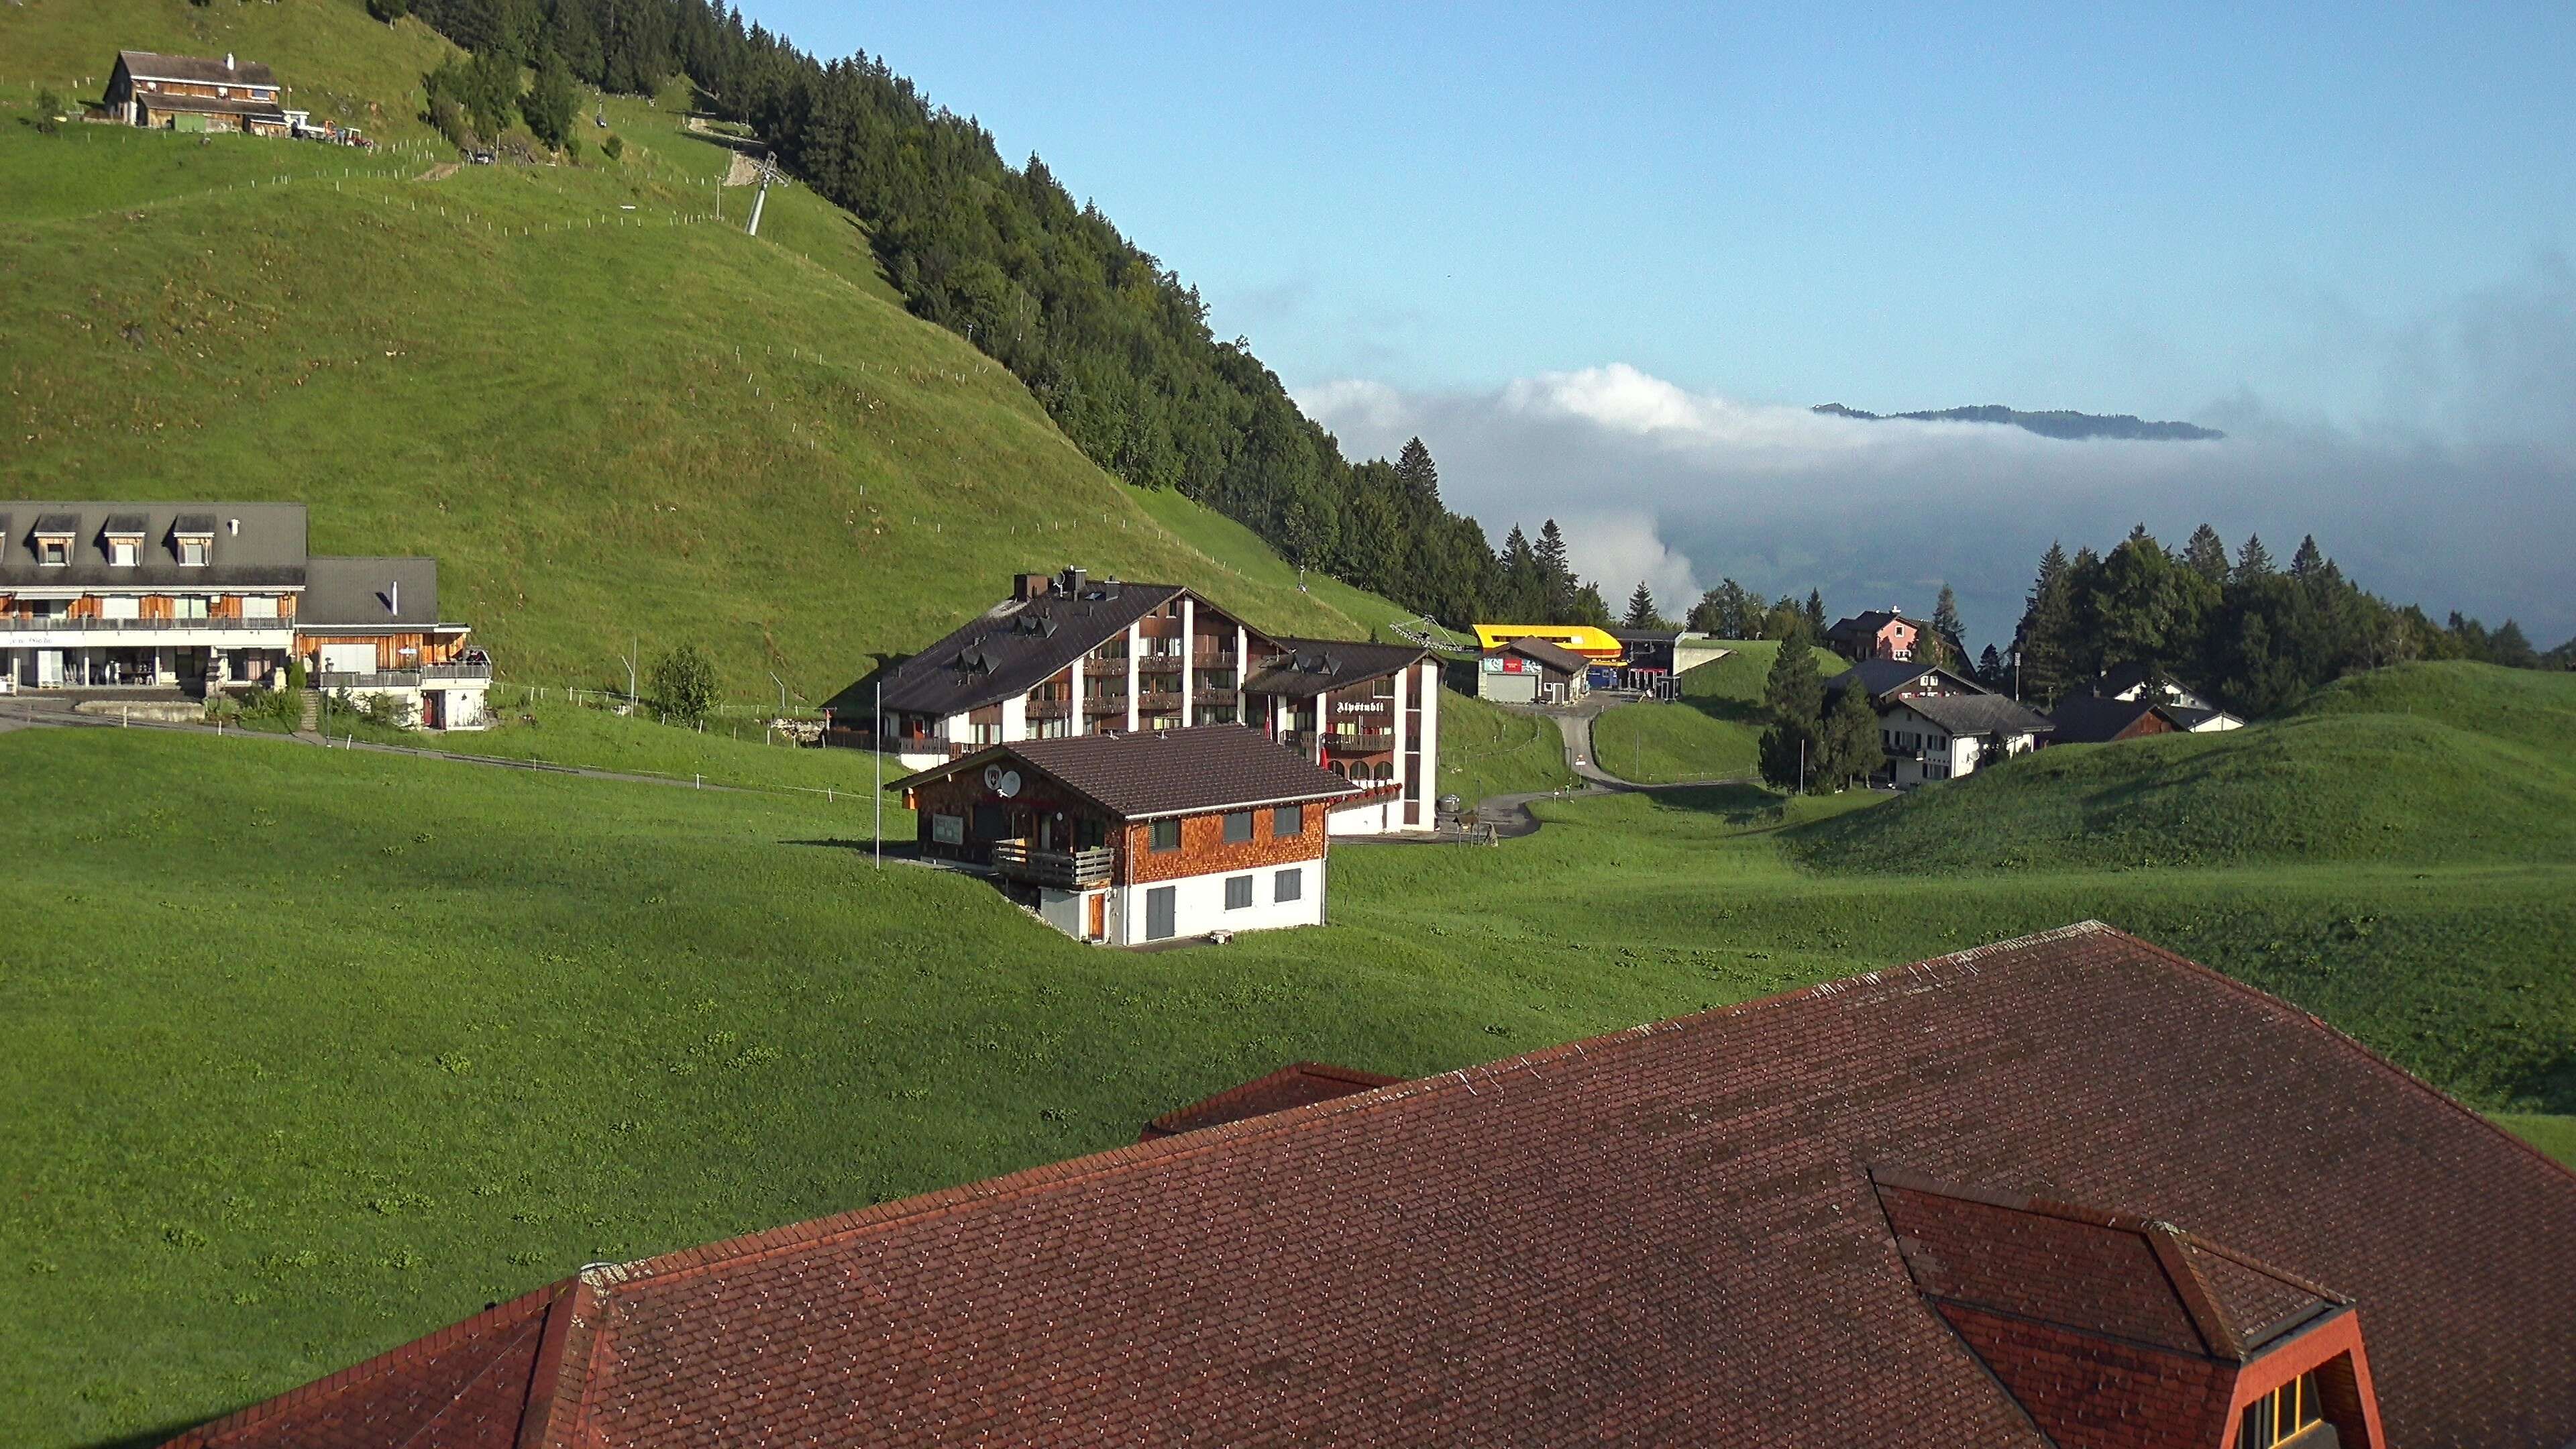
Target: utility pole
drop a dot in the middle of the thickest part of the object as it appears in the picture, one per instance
(759, 198)
(782, 693)
(635, 650)
(877, 739)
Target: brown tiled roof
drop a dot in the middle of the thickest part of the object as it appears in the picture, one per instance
(2089, 719)
(1970, 715)
(1554, 657)
(1163, 772)
(195, 69)
(1294, 1085)
(1007, 649)
(1661, 1236)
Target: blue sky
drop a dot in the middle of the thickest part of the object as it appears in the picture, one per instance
(2344, 225)
(1903, 208)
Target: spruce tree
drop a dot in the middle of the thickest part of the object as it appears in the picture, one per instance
(1850, 749)
(2507, 646)
(1792, 698)
(1990, 669)
(1556, 574)
(1419, 475)
(1587, 607)
(2253, 561)
(2206, 554)
(1815, 614)
(1641, 609)
(2309, 562)
(1945, 616)
(2046, 641)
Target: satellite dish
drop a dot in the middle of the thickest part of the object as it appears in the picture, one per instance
(993, 777)
(1010, 784)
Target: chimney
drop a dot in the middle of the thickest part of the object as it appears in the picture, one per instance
(1025, 587)
(228, 60)
(393, 597)
(1074, 579)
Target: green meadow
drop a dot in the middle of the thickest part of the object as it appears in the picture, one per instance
(317, 1050)
(1712, 732)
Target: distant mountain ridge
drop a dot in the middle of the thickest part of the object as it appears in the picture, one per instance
(2058, 423)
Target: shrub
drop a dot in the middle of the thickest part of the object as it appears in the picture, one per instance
(613, 147)
(449, 118)
(389, 11)
(684, 684)
(295, 676)
(390, 710)
(48, 105)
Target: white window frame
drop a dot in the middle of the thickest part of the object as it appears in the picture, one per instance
(204, 548)
(124, 553)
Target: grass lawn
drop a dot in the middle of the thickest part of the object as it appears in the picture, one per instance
(1714, 731)
(347, 1045)
(2551, 1134)
(610, 414)
(1488, 750)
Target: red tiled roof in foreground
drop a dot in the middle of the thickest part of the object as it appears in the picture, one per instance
(1666, 1235)
(1294, 1085)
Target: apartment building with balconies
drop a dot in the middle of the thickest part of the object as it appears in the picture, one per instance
(1068, 655)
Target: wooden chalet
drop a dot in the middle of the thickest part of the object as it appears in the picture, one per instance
(195, 93)
(1126, 839)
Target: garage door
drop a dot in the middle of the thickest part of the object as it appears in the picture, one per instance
(1509, 688)
(348, 658)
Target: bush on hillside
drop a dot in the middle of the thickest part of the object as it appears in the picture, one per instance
(389, 11)
(613, 147)
(449, 119)
(684, 684)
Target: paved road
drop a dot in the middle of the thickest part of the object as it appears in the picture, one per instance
(1510, 815)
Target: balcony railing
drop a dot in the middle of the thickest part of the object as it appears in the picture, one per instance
(1158, 664)
(1098, 668)
(68, 624)
(1212, 659)
(1360, 742)
(1158, 702)
(1050, 708)
(400, 678)
(1064, 869)
(1105, 704)
(1215, 696)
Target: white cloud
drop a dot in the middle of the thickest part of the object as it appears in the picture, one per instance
(1681, 488)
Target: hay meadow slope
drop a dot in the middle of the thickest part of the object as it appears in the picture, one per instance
(2450, 762)
(609, 412)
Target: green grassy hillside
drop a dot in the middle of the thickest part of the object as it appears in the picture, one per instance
(2442, 762)
(609, 413)
(1714, 731)
(357, 1043)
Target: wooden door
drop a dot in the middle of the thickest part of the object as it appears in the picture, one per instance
(1099, 915)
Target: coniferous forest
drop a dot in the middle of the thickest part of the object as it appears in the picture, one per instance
(1113, 344)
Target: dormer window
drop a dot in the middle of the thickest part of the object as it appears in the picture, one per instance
(2280, 1415)
(193, 552)
(54, 553)
(122, 552)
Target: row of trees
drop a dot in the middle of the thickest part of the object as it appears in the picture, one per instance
(2255, 634)
(1114, 344)
(482, 97)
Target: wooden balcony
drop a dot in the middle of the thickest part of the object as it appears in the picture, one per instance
(1226, 697)
(1158, 701)
(1096, 705)
(1105, 668)
(1360, 742)
(1070, 870)
(1050, 709)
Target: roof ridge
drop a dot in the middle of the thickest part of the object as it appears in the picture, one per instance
(2351, 1045)
(877, 1217)
(338, 1381)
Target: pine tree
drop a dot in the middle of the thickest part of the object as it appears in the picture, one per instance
(2046, 642)
(1990, 669)
(1815, 614)
(1945, 615)
(1587, 607)
(1419, 475)
(2206, 554)
(2508, 647)
(1850, 749)
(1556, 573)
(2309, 562)
(1641, 609)
(2253, 561)
(1792, 697)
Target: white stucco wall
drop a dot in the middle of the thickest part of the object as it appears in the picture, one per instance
(1198, 904)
